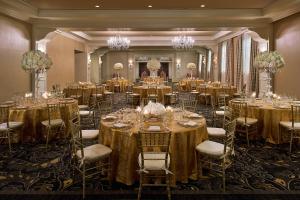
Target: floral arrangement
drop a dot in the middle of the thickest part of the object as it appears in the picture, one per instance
(154, 110)
(270, 61)
(153, 65)
(36, 60)
(118, 66)
(191, 66)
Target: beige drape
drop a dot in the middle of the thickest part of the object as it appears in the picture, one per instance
(254, 74)
(229, 73)
(237, 63)
(219, 61)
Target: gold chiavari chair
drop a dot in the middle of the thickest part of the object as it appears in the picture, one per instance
(105, 107)
(204, 94)
(74, 92)
(91, 160)
(154, 158)
(217, 156)
(189, 105)
(6, 126)
(54, 123)
(245, 124)
(292, 126)
(152, 92)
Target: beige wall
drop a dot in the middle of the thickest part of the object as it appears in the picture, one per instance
(61, 50)
(111, 57)
(15, 38)
(287, 43)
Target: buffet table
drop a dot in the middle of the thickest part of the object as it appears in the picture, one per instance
(32, 114)
(182, 147)
(143, 90)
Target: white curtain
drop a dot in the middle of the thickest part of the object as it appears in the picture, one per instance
(246, 52)
(223, 62)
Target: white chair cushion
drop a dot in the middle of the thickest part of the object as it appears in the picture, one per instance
(158, 164)
(83, 107)
(85, 112)
(223, 107)
(97, 95)
(12, 125)
(211, 148)
(250, 121)
(107, 93)
(53, 122)
(220, 112)
(287, 124)
(89, 134)
(216, 132)
(224, 95)
(134, 94)
(94, 152)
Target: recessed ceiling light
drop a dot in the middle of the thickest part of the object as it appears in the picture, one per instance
(149, 6)
(202, 6)
(97, 6)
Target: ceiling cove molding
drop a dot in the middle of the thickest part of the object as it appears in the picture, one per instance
(70, 36)
(235, 34)
(18, 9)
(228, 13)
(281, 9)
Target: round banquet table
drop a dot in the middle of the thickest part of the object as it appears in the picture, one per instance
(84, 91)
(186, 84)
(269, 117)
(182, 149)
(162, 90)
(123, 83)
(32, 116)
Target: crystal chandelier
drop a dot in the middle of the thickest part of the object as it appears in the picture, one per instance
(183, 42)
(118, 43)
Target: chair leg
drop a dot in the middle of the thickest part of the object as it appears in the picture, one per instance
(168, 186)
(141, 185)
(47, 137)
(224, 178)
(83, 181)
(291, 141)
(247, 136)
(9, 142)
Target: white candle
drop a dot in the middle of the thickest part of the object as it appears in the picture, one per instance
(253, 94)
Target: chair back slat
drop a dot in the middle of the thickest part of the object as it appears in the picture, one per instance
(4, 114)
(295, 114)
(154, 142)
(77, 144)
(53, 111)
(189, 105)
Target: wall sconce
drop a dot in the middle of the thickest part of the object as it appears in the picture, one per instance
(178, 63)
(130, 64)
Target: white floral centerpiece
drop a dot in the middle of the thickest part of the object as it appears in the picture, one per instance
(153, 65)
(154, 110)
(270, 62)
(118, 67)
(191, 66)
(36, 62)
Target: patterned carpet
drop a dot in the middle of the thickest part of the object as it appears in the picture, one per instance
(261, 168)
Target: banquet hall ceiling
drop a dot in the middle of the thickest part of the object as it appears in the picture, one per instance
(143, 4)
(154, 26)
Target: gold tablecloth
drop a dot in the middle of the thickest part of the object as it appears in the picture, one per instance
(84, 91)
(162, 90)
(182, 151)
(186, 84)
(32, 116)
(268, 120)
(153, 80)
(122, 82)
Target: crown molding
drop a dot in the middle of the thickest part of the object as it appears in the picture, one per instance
(18, 9)
(281, 9)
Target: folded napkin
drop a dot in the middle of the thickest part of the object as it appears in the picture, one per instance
(154, 128)
(190, 123)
